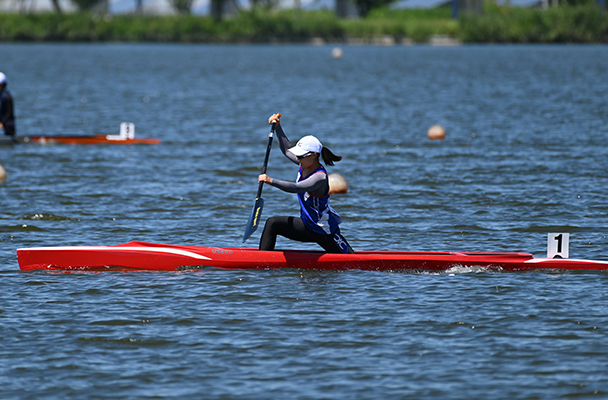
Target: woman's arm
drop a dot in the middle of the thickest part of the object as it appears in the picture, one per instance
(284, 142)
(315, 184)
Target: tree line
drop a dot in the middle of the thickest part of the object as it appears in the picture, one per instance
(572, 21)
(217, 9)
(364, 7)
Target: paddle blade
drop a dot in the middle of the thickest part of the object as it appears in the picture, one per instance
(254, 218)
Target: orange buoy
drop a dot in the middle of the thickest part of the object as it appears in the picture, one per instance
(436, 132)
(337, 184)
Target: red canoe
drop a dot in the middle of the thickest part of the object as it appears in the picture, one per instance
(126, 136)
(84, 139)
(166, 257)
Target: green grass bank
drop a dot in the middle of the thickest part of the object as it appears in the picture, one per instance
(582, 24)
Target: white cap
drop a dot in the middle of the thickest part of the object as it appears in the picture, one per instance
(2, 78)
(307, 144)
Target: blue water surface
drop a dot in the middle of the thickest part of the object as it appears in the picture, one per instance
(524, 156)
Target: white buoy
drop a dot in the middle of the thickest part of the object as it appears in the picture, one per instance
(337, 184)
(436, 132)
(337, 52)
(2, 173)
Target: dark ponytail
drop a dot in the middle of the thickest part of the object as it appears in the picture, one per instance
(328, 157)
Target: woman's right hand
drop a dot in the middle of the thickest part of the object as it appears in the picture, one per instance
(264, 178)
(275, 119)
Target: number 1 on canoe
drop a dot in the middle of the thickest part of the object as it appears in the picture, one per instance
(256, 213)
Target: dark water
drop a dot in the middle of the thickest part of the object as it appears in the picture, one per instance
(525, 155)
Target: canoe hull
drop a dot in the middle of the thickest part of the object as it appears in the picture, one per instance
(76, 139)
(85, 139)
(165, 257)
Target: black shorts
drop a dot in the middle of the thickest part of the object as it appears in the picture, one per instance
(293, 228)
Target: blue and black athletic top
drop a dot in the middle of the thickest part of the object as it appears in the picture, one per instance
(315, 211)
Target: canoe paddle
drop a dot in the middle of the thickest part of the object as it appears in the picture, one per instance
(256, 213)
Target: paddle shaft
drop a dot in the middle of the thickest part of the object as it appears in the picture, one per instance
(254, 219)
(270, 136)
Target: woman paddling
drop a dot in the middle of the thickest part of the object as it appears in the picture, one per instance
(318, 222)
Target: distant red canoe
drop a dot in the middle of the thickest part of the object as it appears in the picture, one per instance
(126, 136)
(84, 139)
(166, 257)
